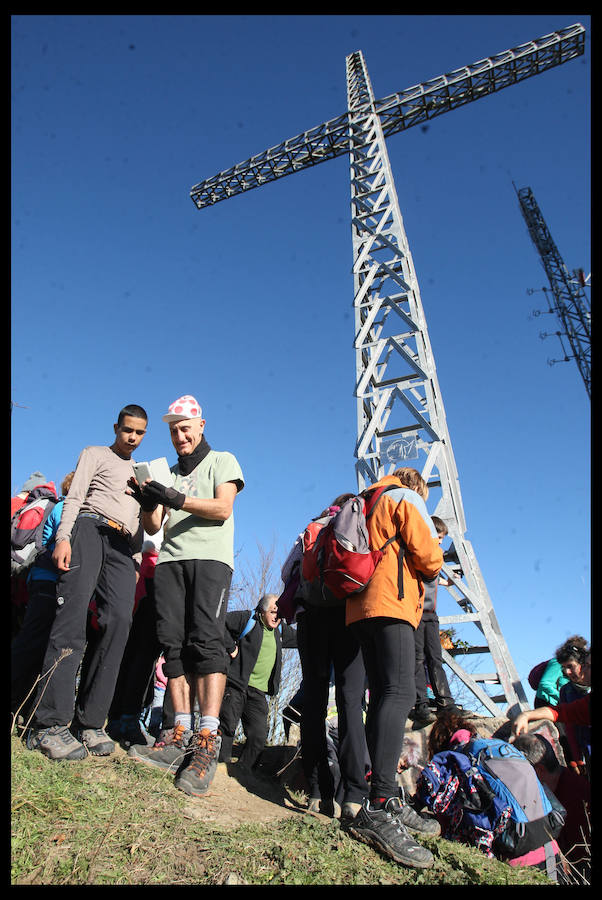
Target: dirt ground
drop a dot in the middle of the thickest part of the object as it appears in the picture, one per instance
(237, 797)
(278, 789)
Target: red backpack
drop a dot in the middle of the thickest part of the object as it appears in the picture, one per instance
(337, 558)
(27, 527)
(536, 673)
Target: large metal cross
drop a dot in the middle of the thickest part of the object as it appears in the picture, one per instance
(400, 413)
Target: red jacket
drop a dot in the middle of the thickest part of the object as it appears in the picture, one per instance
(575, 713)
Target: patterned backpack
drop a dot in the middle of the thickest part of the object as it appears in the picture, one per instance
(487, 794)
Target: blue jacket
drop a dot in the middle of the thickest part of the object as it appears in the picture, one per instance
(44, 569)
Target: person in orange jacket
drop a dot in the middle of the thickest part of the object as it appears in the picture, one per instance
(384, 617)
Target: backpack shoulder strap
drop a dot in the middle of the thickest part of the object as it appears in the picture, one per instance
(372, 495)
(250, 624)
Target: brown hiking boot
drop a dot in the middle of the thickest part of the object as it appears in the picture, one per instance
(196, 774)
(166, 753)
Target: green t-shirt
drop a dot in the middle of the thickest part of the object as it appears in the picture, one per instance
(186, 536)
(260, 676)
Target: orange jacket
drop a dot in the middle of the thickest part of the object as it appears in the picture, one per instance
(397, 512)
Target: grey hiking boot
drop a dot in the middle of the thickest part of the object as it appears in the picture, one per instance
(413, 821)
(56, 742)
(197, 771)
(168, 750)
(97, 741)
(385, 832)
(348, 812)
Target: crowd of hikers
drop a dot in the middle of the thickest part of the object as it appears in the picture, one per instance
(121, 633)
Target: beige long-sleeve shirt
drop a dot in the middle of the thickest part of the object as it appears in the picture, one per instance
(99, 486)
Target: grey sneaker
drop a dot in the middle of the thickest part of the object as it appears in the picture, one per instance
(97, 741)
(413, 821)
(168, 750)
(383, 831)
(196, 774)
(56, 742)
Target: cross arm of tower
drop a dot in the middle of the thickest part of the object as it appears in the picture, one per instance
(397, 112)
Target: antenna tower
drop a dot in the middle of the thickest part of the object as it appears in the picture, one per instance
(571, 305)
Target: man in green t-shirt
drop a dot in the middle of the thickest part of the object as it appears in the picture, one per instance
(192, 581)
(254, 641)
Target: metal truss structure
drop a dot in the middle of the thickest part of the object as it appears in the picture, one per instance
(400, 413)
(571, 305)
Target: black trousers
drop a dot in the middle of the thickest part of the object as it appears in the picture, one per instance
(326, 643)
(29, 646)
(101, 563)
(428, 650)
(248, 706)
(137, 669)
(388, 651)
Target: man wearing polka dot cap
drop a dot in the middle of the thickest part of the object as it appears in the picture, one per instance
(192, 581)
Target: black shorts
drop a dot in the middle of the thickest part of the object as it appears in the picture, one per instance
(192, 599)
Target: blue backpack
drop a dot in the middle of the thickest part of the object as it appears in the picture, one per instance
(488, 794)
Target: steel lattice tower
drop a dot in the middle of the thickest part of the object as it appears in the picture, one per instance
(571, 304)
(400, 413)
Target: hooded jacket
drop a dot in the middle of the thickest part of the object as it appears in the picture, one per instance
(401, 512)
(248, 648)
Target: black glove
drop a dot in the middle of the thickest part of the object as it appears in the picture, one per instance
(167, 496)
(147, 503)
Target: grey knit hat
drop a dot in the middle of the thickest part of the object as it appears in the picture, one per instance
(35, 479)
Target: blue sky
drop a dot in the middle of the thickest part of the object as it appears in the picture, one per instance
(122, 291)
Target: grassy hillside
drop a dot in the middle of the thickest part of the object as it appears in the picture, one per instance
(113, 821)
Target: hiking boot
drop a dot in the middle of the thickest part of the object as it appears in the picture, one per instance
(413, 821)
(168, 750)
(97, 741)
(379, 829)
(132, 732)
(314, 804)
(423, 717)
(348, 812)
(329, 808)
(196, 774)
(450, 709)
(56, 742)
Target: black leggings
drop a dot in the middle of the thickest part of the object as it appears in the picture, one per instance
(388, 651)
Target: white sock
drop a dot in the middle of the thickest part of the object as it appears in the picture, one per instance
(209, 722)
(184, 719)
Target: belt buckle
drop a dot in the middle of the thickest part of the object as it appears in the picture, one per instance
(115, 525)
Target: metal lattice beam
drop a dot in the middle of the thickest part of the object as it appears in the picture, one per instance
(397, 112)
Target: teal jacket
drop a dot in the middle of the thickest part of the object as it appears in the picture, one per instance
(551, 681)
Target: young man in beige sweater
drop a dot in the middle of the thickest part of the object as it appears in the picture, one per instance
(99, 533)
